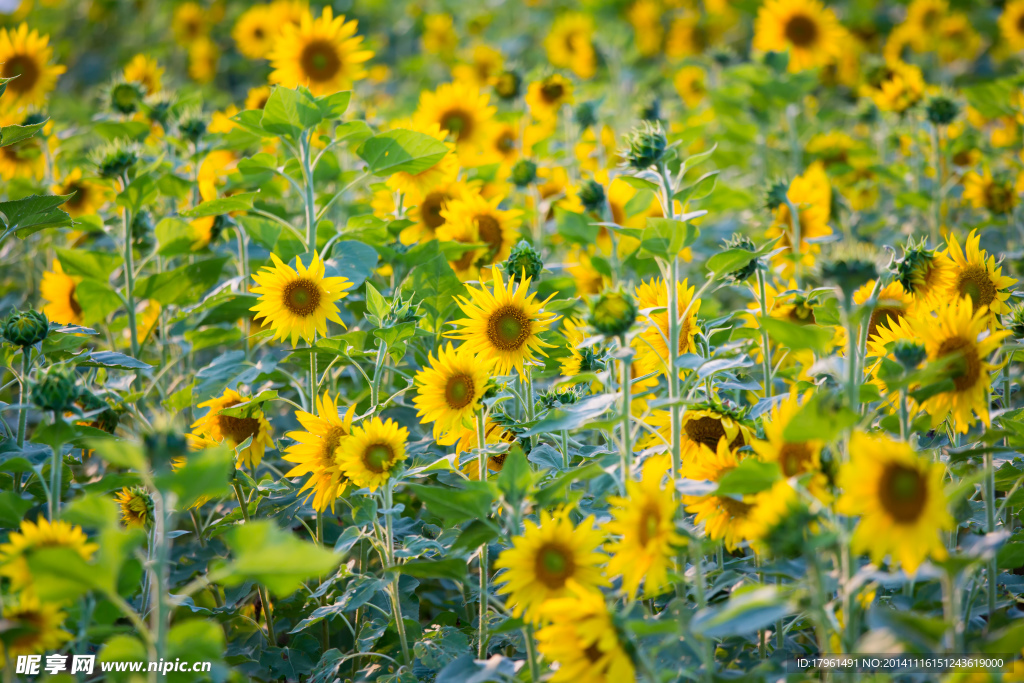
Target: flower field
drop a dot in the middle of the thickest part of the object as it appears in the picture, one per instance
(606, 341)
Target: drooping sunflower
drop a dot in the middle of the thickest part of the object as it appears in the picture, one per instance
(690, 83)
(893, 302)
(316, 449)
(58, 291)
(32, 536)
(926, 274)
(373, 449)
(255, 31)
(298, 302)
(976, 275)
(896, 87)
(570, 44)
(984, 191)
(811, 195)
(794, 458)
(899, 498)
(214, 427)
(136, 506)
(25, 56)
(651, 345)
(323, 54)
(724, 517)
(956, 333)
(582, 638)
(37, 623)
(451, 389)
(89, 195)
(145, 71)
(461, 110)
(416, 186)
(1011, 25)
(546, 96)
(547, 559)
(807, 29)
(471, 218)
(503, 322)
(645, 523)
(189, 23)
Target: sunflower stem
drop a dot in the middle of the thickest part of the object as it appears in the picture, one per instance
(531, 652)
(310, 198)
(260, 590)
(627, 448)
(129, 273)
(325, 628)
(481, 441)
(26, 356)
(389, 548)
(766, 349)
(56, 470)
(377, 375)
(992, 570)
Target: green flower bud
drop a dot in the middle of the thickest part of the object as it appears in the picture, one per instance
(25, 328)
(125, 98)
(56, 391)
(524, 172)
(116, 159)
(941, 110)
(1017, 321)
(909, 353)
(591, 194)
(849, 267)
(192, 125)
(613, 313)
(739, 241)
(776, 195)
(585, 114)
(645, 146)
(523, 259)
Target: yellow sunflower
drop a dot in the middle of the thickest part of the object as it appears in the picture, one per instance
(927, 275)
(464, 439)
(25, 57)
(690, 83)
(503, 323)
(33, 536)
(58, 291)
(502, 144)
(136, 506)
(373, 449)
(976, 275)
(461, 110)
(451, 389)
(203, 57)
(298, 302)
(255, 31)
(811, 195)
(958, 331)
(484, 64)
(645, 523)
(580, 266)
(546, 97)
(651, 344)
(899, 498)
(471, 218)
(289, 11)
(89, 195)
(570, 44)
(808, 30)
(893, 302)
(1011, 25)
(725, 518)
(794, 458)
(645, 16)
(702, 423)
(189, 23)
(998, 195)
(145, 71)
(427, 215)
(217, 428)
(315, 451)
(779, 516)
(582, 638)
(416, 186)
(572, 364)
(257, 97)
(37, 623)
(896, 88)
(439, 37)
(547, 559)
(323, 54)
(957, 38)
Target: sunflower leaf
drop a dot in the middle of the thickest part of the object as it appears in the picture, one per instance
(290, 112)
(401, 150)
(9, 135)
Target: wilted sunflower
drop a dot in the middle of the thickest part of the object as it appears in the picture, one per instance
(316, 449)
(651, 345)
(37, 625)
(136, 506)
(808, 30)
(58, 290)
(323, 54)
(416, 186)
(645, 523)
(216, 428)
(25, 57)
(811, 195)
(89, 195)
(298, 303)
(570, 44)
(503, 323)
(546, 97)
(33, 536)
(451, 389)
(145, 71)
(899, 498)
(255, 31)
(724, 517)
(975, 274)
(373, 449)
(794, 458)
(581, 636)
(1011, 25)
(471, 218)
(461, 110)
(547, 559)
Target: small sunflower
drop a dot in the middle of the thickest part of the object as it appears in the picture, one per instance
(651, 345)
(503, 323)
(502, 144)
(794, 458)
(1011, 25)
(893, 302)
(189, 23)
(547, 559)
(373, 449)
(58, 291)
(255, 31)
(89, 195)
(323, 54)
(33, 536)
(136, 506)
(25, 56)
(484, 64)
(725, 518)
(37, 624)
(808, 30)
(570, 44)
(461, 110)
(416, 186)
(546, 97)
(257, 97)
(983, 191)
(899, 498)
(203, 58)
(315, 451)
(922, 22)
(644, 523)
(439, 36)
(896, 88)
(145, 71)
(976, 275)
(780, 521)
(234, 431)
(298, 302)
(580, 265)
(451, 389)
(811, 195)
(691, 84)
(471, 218)
(580, 359)
(427, 215)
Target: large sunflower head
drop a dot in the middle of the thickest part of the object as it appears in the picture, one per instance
(427, 214)
(373, 449)
(570, 44)
(89, 196)
(315, 451)
(895, 87)
(899, 497)
(724, 517)
(461, 110)
(503, 322)
(136, 506)
(298, 302)
(547, 559)
(25, 56)
(451, 389)
(323, 54)
(234, 430)
(58, 290)
(806, 29)
(651, 345)
(38, 624)
(472, 218)
(976, 275)
(33, 536)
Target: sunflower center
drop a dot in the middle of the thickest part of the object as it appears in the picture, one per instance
(554, 565)
(974, 281)
(884, 314)
(25, 68)
(80, 195)
(967, 376)
(1020, 23)
(490, 232)
(36, 623)
(650, 520)
(552, 92)
(76, 308)
(593, 653)
(506, 142)
(736, 509)
(459, 391)
(999, 198)
(508, 328)
(377, 457)
(320, 60)
(458, 122)
(794, 458)
(903, 492)
(301, 297)
(801, 30)
(258, 33)
(709, 431)
(331, 442)
(238, 429)
(430, 210)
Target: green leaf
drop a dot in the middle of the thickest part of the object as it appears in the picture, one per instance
(574, 416)
(353, 260)
(136, 131)
(794, 336)
(456, 505)
(747, 611)
(193, 640)
(94, 264)
(334, 106)
(666, 237)
(729, 261)
(32, 214)
(178, 285)
(750, 476)
(222, 205)
(700, 189)
(640, 183)
(375, 303)
(92, 510)
(10, 135)
(576, 227)
(290, 112)
(139, 194)
(475, 535)
(174, 237)
(401, 150)
(12, 509)
(97, 299)
(823, 417)
(205, 474)
(119, 453)
(449, 568)
(112, 359)
(275, 558)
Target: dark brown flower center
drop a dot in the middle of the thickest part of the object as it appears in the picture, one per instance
(320, 61)
(593, 653)
(968, 372)
(238, 429)
(430, 210)
(736, 509)
(377, 457)
(801, 30)
(302, 297)
(508, 328)
(884, 314)
(458, 122)
(554, 565)
(27, 71)
(650, 520)
(490, 233)
(73, 304)
(81, 195)
(506, 142)
(552, 93)
(903, 492)
(709, 431)
(794, 458)
(459, 391)
(975, 282)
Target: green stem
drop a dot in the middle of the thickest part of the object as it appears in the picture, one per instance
(56, 471)
(26, 356)
(396, 602)
(382, 349)
(992, 570)
(481, 440)
(325, 627)
(627, 447)
(310, 198)
(531, 653)
(261, 590)
(766, 348)
(129, 275)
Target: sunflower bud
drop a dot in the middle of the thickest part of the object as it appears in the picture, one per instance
(909, 353)
(192, 125)
(645, 146)
(116, 159)
(1016, 324)
(914, 270)
(25, 328)
(591, 195)
(739, 241)
(524, 172)
(850, 267)
(523, 260)
(941, 110)
(56, 391)
(776, 195)
(585, 114)
(508, 85)
(555, 398)
(159, 110)
(125, 98)
(613, 313)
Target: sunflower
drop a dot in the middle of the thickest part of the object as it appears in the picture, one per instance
(145, 71)
(470, 218)
(976, 275)
(651, 344)
(255, 31)
(257, 97)
(570, 44)
(298, 303)
(580, 358)
(189, 23)
(89, 196)
(926, 274)
(645, 16)
(547, 560)
(503, 323)
(416, 186)
(690, 35)
(811, 195)
(25, 57)
(289, 11)
(439, 35)
(1011, 25)
(546, 97)
(451, 389)
(589, 280)
(893, 302)
(806, 28)
(58, 290)
(373, 449)
(203, 57)
(37, 624)
(645, 523)
(897, 87)
(957, 331)
(323, 54)
(315, 451)
(33, 536)
(484, 64)
(794, 458)
(461, 110)
(464, 439)
(724, 517)
(215, 428)
(780, 521)
(985, 192)
(502, 144)
(899, 497)
(957, 38)
(136, 506)
(690, 83)
(427, 215)
(582, 638)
